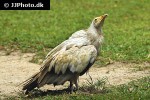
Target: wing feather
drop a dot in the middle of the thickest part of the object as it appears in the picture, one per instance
(73, 54)
(76, 59)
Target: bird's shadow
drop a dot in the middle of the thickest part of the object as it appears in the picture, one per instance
(39, 93)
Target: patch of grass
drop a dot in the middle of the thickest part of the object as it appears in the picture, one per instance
(135, 90)
(140, 68)
(95, 87)
(126, 30)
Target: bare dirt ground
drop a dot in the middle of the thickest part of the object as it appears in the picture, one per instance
(15, 68)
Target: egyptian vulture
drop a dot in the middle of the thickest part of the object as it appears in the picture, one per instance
(70, 59)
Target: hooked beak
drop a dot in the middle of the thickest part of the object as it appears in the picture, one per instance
(102, 18)
(99, 21)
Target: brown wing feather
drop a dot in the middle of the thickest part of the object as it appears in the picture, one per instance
(76, 60)
(64, 67)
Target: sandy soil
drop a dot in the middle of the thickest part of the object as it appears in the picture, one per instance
(15, 68)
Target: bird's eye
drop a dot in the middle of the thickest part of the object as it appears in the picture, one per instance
(96, 20)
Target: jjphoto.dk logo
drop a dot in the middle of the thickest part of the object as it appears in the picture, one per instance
(24, 4)
(6, 5)
(39, 4)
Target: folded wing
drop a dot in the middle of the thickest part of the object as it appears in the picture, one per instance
(64, 65)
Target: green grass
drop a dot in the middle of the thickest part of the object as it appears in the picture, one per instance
(126, 30)
(135, 90)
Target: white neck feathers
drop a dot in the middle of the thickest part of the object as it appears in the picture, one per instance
(93, 30)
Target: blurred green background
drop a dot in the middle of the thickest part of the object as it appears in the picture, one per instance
(126, 30)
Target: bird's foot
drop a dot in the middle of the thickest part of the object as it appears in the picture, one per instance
(72, 89)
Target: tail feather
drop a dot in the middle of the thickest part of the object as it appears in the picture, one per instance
(49, 78)
(62, 79)
(52, 78)
(55, 79)
(30, 83)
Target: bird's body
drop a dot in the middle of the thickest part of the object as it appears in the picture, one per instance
(71, 59)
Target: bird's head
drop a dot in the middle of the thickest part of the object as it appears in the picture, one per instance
(97, 24)
(99, 21)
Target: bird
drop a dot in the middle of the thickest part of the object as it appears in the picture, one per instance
(70, 59)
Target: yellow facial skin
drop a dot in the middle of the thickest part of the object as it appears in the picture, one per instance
(98, 21)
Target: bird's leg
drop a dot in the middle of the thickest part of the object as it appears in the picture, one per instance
(76, 84)
(71, 87)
